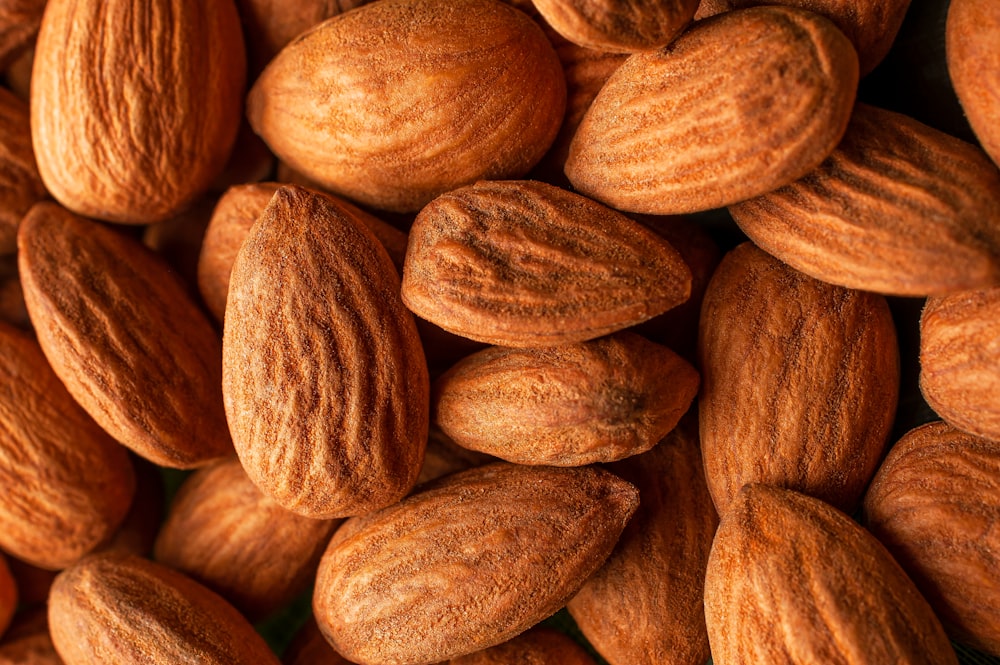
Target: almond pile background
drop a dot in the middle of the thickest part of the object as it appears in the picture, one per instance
(401, 332)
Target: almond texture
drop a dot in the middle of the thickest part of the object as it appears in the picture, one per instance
(20, 185)
(538, 646)
(618, 25)
(972, 30)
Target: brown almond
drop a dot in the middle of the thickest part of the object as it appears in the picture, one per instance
(138, 530)
(20, 185)
(8, 595)
(894, 198)
(525, 264)
(567, 405)
(19, 23)
(791, 579)
(444, 456)
(28, 642)
(538, 646)
(469, 563)
(972, 31)
(309, 647)
(115, 609)
(683, 129)
(121, 332)
(800, 381)
(616, 25)
(178, 240)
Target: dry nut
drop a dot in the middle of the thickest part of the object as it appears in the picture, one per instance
(612, 25)
(20, 185)
(972, 31)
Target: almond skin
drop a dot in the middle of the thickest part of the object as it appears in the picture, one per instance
(399, 101)
(683, 129)
(618, 25)
(124, 336)
(8, 595)
(895, 197)
(313, 309)
(118, 609)
(20, 185)
(800, 381)
(538, 646)
(569, 405)
(972, 30)
(470, 562)
(525, 264)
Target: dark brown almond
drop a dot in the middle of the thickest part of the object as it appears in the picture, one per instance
(525, 264)
(19, 23)
(28, 642)
(538, 646)
(20, 185)
(444, 457)
(972, 31)
(121, 332)
(618, 25)
(33, 583)
(469, 563)
(8, 595)
(178, 240)
(138, 530)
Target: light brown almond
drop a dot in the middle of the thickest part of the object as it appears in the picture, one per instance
(972, 30)
(538, 646)
(20, 185)
(618, 25)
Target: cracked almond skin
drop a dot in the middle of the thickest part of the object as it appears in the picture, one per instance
(895, 197)
(800, 381)
(618, 25)
(568, 405)
(792, 580)
(324, 377)
(538, 646)
(972, 31)
(525, 264)
(117, 609)
(683, 129)
(67, 484)
(934, 504)
(468, 563)
(8, 595)
(20, 185)
(122, 333)
(133, 129)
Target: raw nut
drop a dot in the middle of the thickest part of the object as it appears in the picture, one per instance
(8, 595)
(399, 101)
(67, 484)
(791, 579)
(28, 642)
(800, 381)
(313, 308)
(960, 360)
(468, 563)
(309, 647)
(617, 26)
(567, 405)
(116, 609)
(525, 264)
(124, 336)
(20, 185)
(894, 198)
(12, 307)
(972, 30)
(132, 129)
(225, 534)
(19, 23)
(645, 605)
(683, 129)
(933, 504)
(538, 646)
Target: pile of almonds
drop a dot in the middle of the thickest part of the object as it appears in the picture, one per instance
(402, 287)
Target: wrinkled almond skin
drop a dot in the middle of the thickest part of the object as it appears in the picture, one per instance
(525, 264)
(960, 360)
(20, 185)
(124, 336)
(618, 25)
(645, 605)
(470, 562)
(313, 310)
(440, 94)
(895, 197)
(309, 647)
(225, 534)
(8, 595)
(117, 609)
(933, 504)
(683, 129)
(800, 381)
(791, 579)
(66, 484)
(568, 405)
(972, 31)
(19, 22)
(538, 646)
(119, 146)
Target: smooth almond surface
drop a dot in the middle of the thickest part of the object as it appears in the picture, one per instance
(972, 30)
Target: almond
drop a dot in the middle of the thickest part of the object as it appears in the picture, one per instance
(20, 185)
(468, 563)
(132, 129)
(444, 457)
(799, 381)
(791, 579)
(538, 646)
(19, 22)
(28, 641)
(138, 530)
(683, 129)
(8, 596)
(971, 33)
(309, 647)
(525, 264)
(613, 25)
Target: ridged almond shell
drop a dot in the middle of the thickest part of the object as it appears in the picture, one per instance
(972, 31)
(538, 646)
(20, 185)
(618, 25)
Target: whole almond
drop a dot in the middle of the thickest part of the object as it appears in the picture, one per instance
(613, 25)
(470, 562)
(799, 381)
(525, 264)
(895, 197)
(791, 579)
(683, 129)
(971, 33)
(115, 609)
(538, 646)
(399, 101)
(8, 595)
(20, 185)
(124, 336)
(568, 405)
(134, 128)
(313, 309)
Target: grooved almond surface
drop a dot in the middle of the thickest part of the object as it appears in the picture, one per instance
(325, 381)
(468, 563)
(538, 646)
(894, 198)
(684, 129)
(799, 381)
(121, 332)
(972, 31)
(20, 185)
(525, 264)
(792, 580)
(618, 25)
